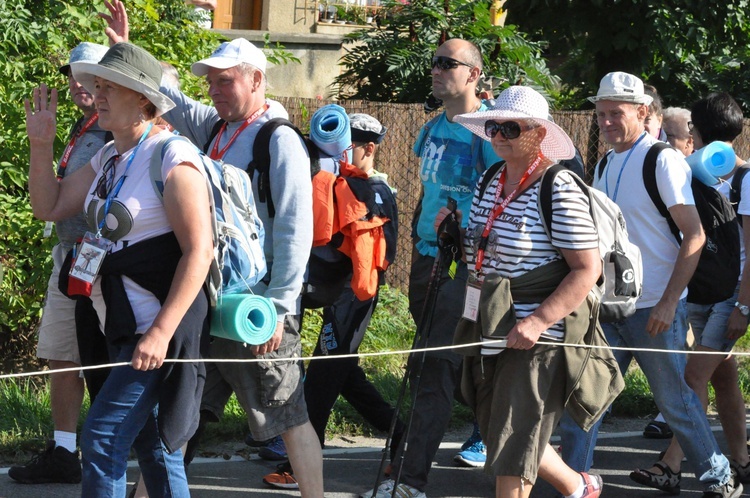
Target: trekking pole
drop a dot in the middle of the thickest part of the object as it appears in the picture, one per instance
(449, 242)
(431, 297)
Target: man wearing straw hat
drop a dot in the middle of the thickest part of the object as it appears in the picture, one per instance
(660, 321)
(57, 333)
(270, 393)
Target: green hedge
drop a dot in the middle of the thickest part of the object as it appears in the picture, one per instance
(35, 39)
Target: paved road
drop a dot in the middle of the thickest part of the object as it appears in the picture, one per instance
(350, 469)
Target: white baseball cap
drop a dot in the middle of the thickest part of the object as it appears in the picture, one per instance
(230, 54)
(622, 87)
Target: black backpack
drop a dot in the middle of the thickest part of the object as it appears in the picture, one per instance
(329, 270)
(262, 157)
(715, 278)
(735, 194)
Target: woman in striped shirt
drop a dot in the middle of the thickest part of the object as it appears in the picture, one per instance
(524, 284)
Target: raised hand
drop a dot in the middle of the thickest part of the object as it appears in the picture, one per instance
(118, 29)
(41, 116)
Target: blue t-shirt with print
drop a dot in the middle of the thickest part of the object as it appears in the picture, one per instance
(447, 169)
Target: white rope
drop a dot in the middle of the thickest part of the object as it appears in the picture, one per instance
(367, 355)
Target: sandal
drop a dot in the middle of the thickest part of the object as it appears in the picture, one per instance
(668, 481)
(657, 430)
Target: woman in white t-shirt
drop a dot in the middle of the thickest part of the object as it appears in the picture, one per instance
(143, 263)
(516, 386)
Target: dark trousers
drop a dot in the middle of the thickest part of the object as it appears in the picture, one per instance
(344, 326)
(440, 375)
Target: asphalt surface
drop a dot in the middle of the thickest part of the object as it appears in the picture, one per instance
(351, 464)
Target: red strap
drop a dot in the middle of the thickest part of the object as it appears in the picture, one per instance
(69, 148)
(500, 207)
(218, 154)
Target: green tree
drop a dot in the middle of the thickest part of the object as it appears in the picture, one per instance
(391, 63)
(686, 48)
(35, 39)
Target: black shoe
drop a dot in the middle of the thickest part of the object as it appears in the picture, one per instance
(54, 464)
(657, 430)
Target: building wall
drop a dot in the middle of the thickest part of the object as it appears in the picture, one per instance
(319, 55)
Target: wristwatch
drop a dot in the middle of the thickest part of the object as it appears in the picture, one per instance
(744, 310)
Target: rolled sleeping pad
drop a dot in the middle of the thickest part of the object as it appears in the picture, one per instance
(330, 130)
(712, 162)
(245, 318)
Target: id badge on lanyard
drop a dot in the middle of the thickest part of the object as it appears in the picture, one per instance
(471, 298)
(87, 261)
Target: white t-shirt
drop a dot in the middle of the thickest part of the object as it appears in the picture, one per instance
(136, 214)
(725, 188)
(647, 228)
(518, 243)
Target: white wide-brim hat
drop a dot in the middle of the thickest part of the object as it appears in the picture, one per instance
(521, 103)
(129, 66)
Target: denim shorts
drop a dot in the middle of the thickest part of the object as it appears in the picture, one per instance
(709, 323)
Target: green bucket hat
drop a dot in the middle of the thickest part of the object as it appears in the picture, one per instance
(127, 65)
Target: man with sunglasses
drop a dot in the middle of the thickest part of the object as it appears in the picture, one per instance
(660, 321)
(451, 161)
(57, 333)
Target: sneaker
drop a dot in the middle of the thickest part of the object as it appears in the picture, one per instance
(473, 452)
(54, 464)
(742, 473)
(385, 490)
(254, 443)
(275, 450)
(730, 489)
(657, 430)
(593, 485)
(282, 478)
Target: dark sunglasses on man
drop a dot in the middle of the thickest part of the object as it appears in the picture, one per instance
(508, 129)
(446, 63)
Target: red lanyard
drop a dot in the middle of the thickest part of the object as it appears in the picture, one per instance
(500, 207)
(218, 154)
(69, 149)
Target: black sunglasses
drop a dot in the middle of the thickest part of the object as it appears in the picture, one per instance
(446, 63)
(107, 180)
(508, 129)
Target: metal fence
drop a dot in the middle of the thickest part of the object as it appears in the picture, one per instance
(396, 158)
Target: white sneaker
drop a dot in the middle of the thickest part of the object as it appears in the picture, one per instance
(385, 490)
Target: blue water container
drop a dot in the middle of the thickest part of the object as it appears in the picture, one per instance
(712, 162)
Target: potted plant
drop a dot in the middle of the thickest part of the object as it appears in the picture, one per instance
(342, 14)
(326, 11)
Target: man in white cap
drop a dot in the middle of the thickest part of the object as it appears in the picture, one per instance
(272, 397)
(660, 321)
(271, 393)
(57, 333)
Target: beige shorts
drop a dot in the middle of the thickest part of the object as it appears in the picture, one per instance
(519, 401)
(57, 332)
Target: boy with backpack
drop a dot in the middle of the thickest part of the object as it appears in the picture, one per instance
(660, 320)
(345, 321)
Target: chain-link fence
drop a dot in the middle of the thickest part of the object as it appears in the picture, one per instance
(396, 158)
